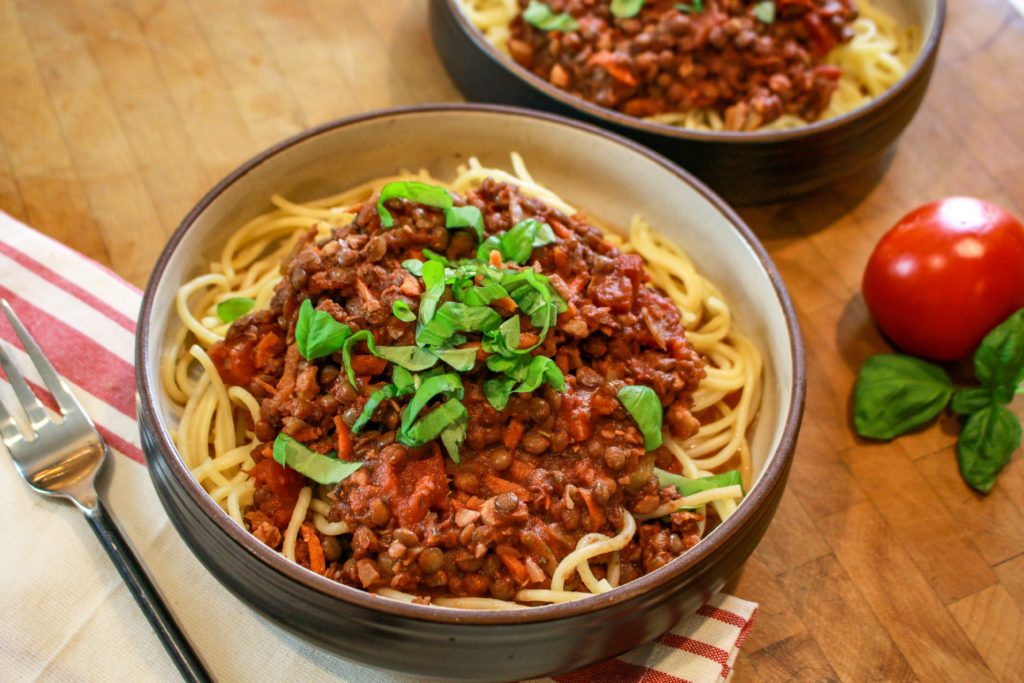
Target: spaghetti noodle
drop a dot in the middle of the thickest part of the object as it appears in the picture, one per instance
(216, 432)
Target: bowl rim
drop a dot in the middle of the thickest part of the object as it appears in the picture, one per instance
(773, 474)
(614, 117)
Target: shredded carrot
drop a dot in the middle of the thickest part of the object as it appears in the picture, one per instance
(609, 61)
(513, 434)
(495, 258)
(596, 516)
(499, 485)
(515, 567)
(345, 451)
(317, 562)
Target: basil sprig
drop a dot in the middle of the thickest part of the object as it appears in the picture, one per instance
(688, 487)
(448, 420)
(765, 11)
(896, 393)
(400, 309)
(323, 469)
(644, 405)
(234, 308)
(542, 16)
(624, 9)
(516, 245)
(430, 195)
(695, 7)
(317, 333)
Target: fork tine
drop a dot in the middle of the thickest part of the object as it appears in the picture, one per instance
(65, 399)
(9, 430)
(37, 414)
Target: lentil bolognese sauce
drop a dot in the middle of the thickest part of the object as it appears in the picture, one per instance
(722, 64)
(456, 395)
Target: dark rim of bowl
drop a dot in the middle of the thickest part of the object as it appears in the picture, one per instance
(774, 471)
(928, 49)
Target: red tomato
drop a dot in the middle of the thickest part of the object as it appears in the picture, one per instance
(945, 275)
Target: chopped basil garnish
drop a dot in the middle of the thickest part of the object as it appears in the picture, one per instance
(644, 405)
(413, 266)
(414, 191)
(402, 384)
(433, 278)
(465, 217)
(695, 7)
(688, 487)
(323, 469)
(317, 333)
(346, 352)
(542, 369)
(409, 357)
(498, 390)
(234, 308)
(624, 9)
(400, 309)
(462, 360)
(448, 420)
(516, 245)
(454, 317)
(765, 11)
(541, 16)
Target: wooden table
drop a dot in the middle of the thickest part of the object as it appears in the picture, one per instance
(881, 563)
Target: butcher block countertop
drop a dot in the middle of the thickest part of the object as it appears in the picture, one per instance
(880, 564)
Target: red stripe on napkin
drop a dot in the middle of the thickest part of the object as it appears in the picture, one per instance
(722, 615)
(70, 287)
(618, 671)
(697, 647)
(75, 355)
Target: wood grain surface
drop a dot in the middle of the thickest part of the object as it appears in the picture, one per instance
(881, 564)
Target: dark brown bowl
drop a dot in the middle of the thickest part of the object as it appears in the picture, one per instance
(444, 642)
(744, 168)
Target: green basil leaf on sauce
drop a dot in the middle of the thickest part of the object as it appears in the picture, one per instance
(448, 421)
(413, 266)
(765, 11)
(695, 7)
(413, 191)
(234, 308)
(688, 487)
(465, 217)
(515, 367)
(403, 380)
(402, 384)
(400, 309)
(987, 440)
(433, 280)
(644, 405)
(323, 469)
(999, 359)
(497, 391)
(461, 360)
(317, 333)
(481, 296)
(447, 384)
(896, 393)
(408, 357)
(483, 252)
(543, 369)
(541, 16)
(454, 317)
(346, 352)
(454, 434)
(624, 9)
(432, 255)
(505, 339)
(516, 244)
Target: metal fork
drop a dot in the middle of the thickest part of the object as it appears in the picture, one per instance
(61, 459)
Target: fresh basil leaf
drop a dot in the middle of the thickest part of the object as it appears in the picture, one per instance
(765, 11)
(234, 308)
(516, 244)
(483, 295)
(987, 440)
(644, 405)
(483, 252)
(695, 7)
(413, 266)
(505, 339)
(688, 487)
(970, 400)
(896, 393)
(403, 380)
(436, 423)
(515, 367)
(433, 280)
(447, 384)
(454, 317)
(999, 360)
(346, 352)
(543, 369)
(414, 191)
(454, 434)
(462, 360)
(317, 333)
(497, 391)
(401, 385)
(400, 309)
(323, 469)
(465, 217)
(408, 357)
(432, 255)
(624, 9)
(541, 16)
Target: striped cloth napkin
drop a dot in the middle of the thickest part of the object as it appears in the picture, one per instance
(66, 613)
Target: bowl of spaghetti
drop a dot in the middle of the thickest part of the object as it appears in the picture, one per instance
(411, 383)
(762, 99)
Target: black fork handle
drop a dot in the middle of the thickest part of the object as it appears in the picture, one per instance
(152, 605)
